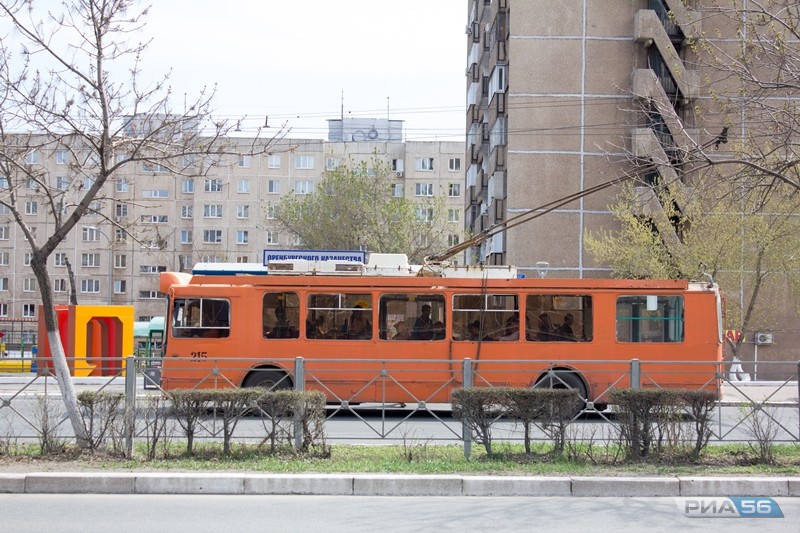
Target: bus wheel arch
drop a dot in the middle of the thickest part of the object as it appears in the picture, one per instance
(564, 378)
(269, 377)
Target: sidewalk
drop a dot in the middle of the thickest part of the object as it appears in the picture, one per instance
(391, 485)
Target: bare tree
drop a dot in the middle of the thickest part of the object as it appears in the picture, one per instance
(71, 85)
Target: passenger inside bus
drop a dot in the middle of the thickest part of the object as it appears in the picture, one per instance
(401, 331)
(423, 327)
(512, 329)
(359, 326)
(474, 331)
(315, 328)
(283, 328)
(564, 331)
(544, 329)
(437, 330)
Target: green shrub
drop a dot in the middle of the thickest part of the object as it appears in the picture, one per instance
(99, 414)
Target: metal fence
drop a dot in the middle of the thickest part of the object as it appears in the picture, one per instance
(23, 395)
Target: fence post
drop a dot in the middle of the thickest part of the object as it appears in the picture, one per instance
(466, 432)
(130, 404)
(299, 386)
(636, 374)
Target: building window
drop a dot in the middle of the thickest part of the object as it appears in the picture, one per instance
(154, 167)
(425, 163)
(155, 193)
(423, 189)
(244, 161)
(32, 158)
(212, 211)
(272, 237)
(59, 285)
(90, 234)
(122, 185)
(154, 219)
(331, 163)
(150, 295)
(31, 208)
(243, 186)
(184, 262)
(274, 161)
(303, 187)
(62, 157)
(187, 185)
(120, 261)
(212, 236)
(62, 183)
(425, 214)
(274, 187)
(271, 211)
(120, 286)
(187, 211)
(242, 259)
(243, 211)
(398, 166)
(242, 236)
(454, 164)
(304, 162)
(90, 260)
(151, 269)
(454, 189)
(3, 310)
(29, 285)
(397, 190)
(121, 211)
(453, 215)
(4, 258)
(26, 259)
(213, 185)
(186, 236)
(4, 284)
(452, 239)
(4, 182)
(120, 235)
(60, 259)
(28, 310)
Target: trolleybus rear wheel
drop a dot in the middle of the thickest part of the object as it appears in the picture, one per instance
(268, 379)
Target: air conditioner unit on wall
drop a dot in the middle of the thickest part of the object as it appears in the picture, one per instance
(763, 338)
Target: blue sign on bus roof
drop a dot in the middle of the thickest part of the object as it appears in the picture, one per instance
(314, 255)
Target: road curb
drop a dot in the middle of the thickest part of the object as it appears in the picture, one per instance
(390, 485)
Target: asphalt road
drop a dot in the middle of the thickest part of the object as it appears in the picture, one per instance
(331, 514)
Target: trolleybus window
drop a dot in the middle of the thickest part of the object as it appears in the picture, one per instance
(281, 315)
(410, 316)
(339, 316)
(201, 317)
(488, 317)
(650, 318)
(558, 317)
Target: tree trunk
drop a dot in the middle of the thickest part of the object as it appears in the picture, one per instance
(57, 355)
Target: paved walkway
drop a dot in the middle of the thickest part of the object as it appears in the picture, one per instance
(391, 485)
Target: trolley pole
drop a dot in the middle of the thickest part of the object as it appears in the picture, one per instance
(299, 386)
(466, 432)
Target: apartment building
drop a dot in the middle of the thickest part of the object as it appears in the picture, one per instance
(562, 96)
(552, 110)
(148, 220)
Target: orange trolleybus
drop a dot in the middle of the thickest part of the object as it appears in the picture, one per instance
(419, 324)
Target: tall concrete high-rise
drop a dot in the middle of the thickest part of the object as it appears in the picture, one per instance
(554, 100)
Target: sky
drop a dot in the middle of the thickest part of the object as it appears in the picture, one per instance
(302, 62)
